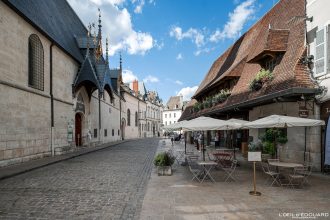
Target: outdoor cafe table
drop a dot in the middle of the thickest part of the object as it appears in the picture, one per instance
(285, 165)
(207, 166)
(223, 159)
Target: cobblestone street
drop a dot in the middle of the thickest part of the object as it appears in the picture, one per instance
(106, 184)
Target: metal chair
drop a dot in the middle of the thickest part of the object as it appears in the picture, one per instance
(230, 171)
(297, 178)
(271, 174)
(194, 168)
(306, 172)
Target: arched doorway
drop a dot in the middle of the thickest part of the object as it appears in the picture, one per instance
(123, 125)
(78, 136)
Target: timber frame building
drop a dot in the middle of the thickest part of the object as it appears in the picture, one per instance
(263, 73)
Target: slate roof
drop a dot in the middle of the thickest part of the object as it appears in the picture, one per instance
(173, 101)
(277, 30)
(56, 19)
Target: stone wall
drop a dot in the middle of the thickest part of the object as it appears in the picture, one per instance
(294, 149)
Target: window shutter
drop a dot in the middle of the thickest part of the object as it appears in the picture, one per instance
(320, 52)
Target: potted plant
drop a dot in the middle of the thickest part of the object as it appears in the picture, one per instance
(270, 141)
(164, 162)
(261, 77)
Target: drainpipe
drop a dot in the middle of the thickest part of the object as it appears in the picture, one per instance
(51, 98)
(120, 126)
(100, 117)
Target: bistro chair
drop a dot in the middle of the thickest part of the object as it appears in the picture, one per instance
(297, 177)
(306, 172)
(272, 175)
(230, 171)
(194, 168)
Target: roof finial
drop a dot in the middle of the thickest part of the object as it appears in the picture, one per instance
(107, 50)
(98, 52)
(88, 37)
(120, 61)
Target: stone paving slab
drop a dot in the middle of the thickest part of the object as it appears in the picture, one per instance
(107, 184)
(176, 197)
(9, 171)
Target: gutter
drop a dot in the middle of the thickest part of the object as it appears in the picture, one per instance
(256, 101)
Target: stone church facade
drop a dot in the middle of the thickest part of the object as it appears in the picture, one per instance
(57, 92)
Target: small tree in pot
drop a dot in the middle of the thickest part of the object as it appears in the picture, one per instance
(164, 162)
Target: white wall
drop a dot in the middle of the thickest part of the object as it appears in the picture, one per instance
(170, 120)
(319, 10)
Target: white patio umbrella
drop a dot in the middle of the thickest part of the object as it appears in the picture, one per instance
(235, 124)
(204, 124)
(281, 121)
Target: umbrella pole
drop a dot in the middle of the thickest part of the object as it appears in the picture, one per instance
(203, 146)
(305, 144)
(185, 143)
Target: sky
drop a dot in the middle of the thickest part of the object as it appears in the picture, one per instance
(170, 44)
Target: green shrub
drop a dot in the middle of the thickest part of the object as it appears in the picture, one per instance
(164, 159)
(268, 148)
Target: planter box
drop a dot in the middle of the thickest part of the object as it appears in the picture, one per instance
(164, 170)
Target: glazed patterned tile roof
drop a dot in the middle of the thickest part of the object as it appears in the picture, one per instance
(277, 31)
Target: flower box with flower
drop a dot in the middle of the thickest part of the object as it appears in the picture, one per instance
(261, 78)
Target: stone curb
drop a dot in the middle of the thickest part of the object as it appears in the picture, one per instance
(14, 170)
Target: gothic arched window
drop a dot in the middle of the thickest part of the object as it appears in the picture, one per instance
(136, 119)
(128, 117)
(36, 63)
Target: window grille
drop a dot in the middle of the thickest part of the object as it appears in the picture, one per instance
(36, 63)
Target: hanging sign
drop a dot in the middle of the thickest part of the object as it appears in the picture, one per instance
(303, 112)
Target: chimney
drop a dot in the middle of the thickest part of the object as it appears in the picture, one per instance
(136, 87)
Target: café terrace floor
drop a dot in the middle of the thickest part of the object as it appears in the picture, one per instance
(177, 197)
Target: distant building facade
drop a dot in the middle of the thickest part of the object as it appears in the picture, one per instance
(173, 110)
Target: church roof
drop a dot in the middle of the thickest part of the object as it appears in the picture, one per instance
(54, 18)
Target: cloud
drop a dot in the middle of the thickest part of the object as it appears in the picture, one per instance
(187, 92)
(204, 50)
(139, 6)
(151, 79)
(117, 24)
(179, 56)
(178, 82)
(128, 76)
(195, 35)
(159, 45)
(241, 14)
